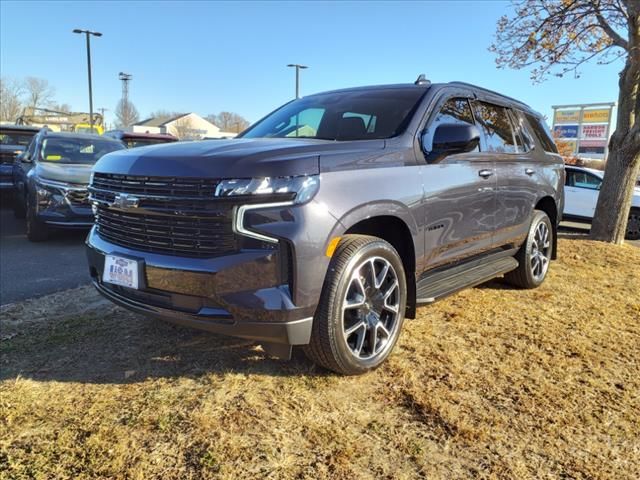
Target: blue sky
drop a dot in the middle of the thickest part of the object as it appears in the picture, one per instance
(212, 56)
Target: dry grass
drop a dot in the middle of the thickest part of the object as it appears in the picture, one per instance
(490, 383)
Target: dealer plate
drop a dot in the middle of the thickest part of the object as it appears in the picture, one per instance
(120, 271)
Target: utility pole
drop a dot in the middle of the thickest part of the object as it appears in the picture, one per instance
(125, 78)
(298, 67)
(88, 34)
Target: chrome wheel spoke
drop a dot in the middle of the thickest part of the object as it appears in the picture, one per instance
(360, 325)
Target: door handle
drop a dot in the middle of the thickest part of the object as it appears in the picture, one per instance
(529, 171)
(485, 173)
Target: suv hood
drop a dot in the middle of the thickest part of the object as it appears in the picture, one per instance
(64, 172)
(237, 158)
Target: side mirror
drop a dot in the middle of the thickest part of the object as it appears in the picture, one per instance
(452, 138)
(24, 158)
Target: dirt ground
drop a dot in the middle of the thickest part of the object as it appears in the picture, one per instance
(493, 382)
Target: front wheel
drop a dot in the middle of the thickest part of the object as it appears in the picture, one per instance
(535, 254)
(361, 307)
(37, 230)
(633, 225)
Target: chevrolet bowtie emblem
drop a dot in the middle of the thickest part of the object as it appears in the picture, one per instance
(124, 201)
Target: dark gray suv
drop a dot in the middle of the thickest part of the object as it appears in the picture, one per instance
(330, 220)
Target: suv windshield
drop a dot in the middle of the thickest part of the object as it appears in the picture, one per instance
(16, 138)
(76, 150)
(351, 115)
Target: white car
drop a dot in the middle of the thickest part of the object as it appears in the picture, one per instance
(581, 190)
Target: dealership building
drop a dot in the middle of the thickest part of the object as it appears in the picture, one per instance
(187, 126)
(584, 128)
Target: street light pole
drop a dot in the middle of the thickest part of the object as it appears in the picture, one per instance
(298, 67)
(88, 34)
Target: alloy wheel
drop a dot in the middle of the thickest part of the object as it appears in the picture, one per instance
(540, 251)
(370, 309)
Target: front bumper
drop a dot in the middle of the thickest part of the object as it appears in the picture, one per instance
(242, 295)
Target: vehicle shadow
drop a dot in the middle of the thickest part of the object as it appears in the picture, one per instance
(121, 347)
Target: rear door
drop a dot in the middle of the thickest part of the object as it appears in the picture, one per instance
(581, 192)
(516, 171)
(459, 192)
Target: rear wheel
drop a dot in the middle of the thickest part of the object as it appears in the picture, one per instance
(361, 307)
(633, 225)
(535, 254)
(37, 230)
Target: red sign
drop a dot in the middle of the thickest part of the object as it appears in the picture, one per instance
(594, 131)
(593, 143)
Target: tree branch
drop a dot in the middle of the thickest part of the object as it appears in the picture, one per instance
(613, 35)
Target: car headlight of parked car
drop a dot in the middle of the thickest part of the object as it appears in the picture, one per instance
(276, 192)
(297, 189)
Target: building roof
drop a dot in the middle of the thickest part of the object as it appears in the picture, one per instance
(159, 121)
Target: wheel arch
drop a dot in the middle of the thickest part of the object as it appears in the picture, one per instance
(548, 205)
(396, 232)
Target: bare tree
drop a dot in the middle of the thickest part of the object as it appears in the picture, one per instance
(228, 121)
(126, 114)
(61, 107)
(10, 104)
(38, 92)
(183, 129)
(164, 114)
(553, 37)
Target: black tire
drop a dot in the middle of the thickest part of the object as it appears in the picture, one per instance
(18, 206)
(37, 230)
(633, 225)
(525, 275)
(330, 345)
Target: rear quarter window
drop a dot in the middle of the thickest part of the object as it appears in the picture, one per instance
(542, 133)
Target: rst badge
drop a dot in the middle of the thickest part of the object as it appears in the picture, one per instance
(120, 271)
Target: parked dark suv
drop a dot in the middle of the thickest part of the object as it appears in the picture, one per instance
(14, 139)
(51, 179)
(330, 220)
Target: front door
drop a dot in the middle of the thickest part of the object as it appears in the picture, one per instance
(460, 194)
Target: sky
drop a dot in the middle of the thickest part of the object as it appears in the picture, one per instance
(208, 57)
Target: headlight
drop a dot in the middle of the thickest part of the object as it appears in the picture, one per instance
(297, 189)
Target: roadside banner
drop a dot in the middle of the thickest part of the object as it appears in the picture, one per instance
(594, 131)
(595, 116)
(566, 116)
(566, 131)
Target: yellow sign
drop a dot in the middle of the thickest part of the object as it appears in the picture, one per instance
(593, 116)
(566, 146)
(567, 116)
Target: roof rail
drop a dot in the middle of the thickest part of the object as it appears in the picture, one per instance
(515, 100)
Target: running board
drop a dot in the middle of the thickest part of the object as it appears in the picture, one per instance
(443, 283)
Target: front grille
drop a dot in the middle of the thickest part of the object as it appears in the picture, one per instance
(194, 188)
(175, 216)
(167, 234)
(78, 198)
(7, 157)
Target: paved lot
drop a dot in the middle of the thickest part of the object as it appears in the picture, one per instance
(32, 269)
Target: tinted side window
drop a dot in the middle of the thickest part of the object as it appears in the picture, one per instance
(542, 132)
(496, 127)
(454, 110)
(582, 180)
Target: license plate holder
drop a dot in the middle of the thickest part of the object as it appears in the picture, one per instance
(123, 271)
